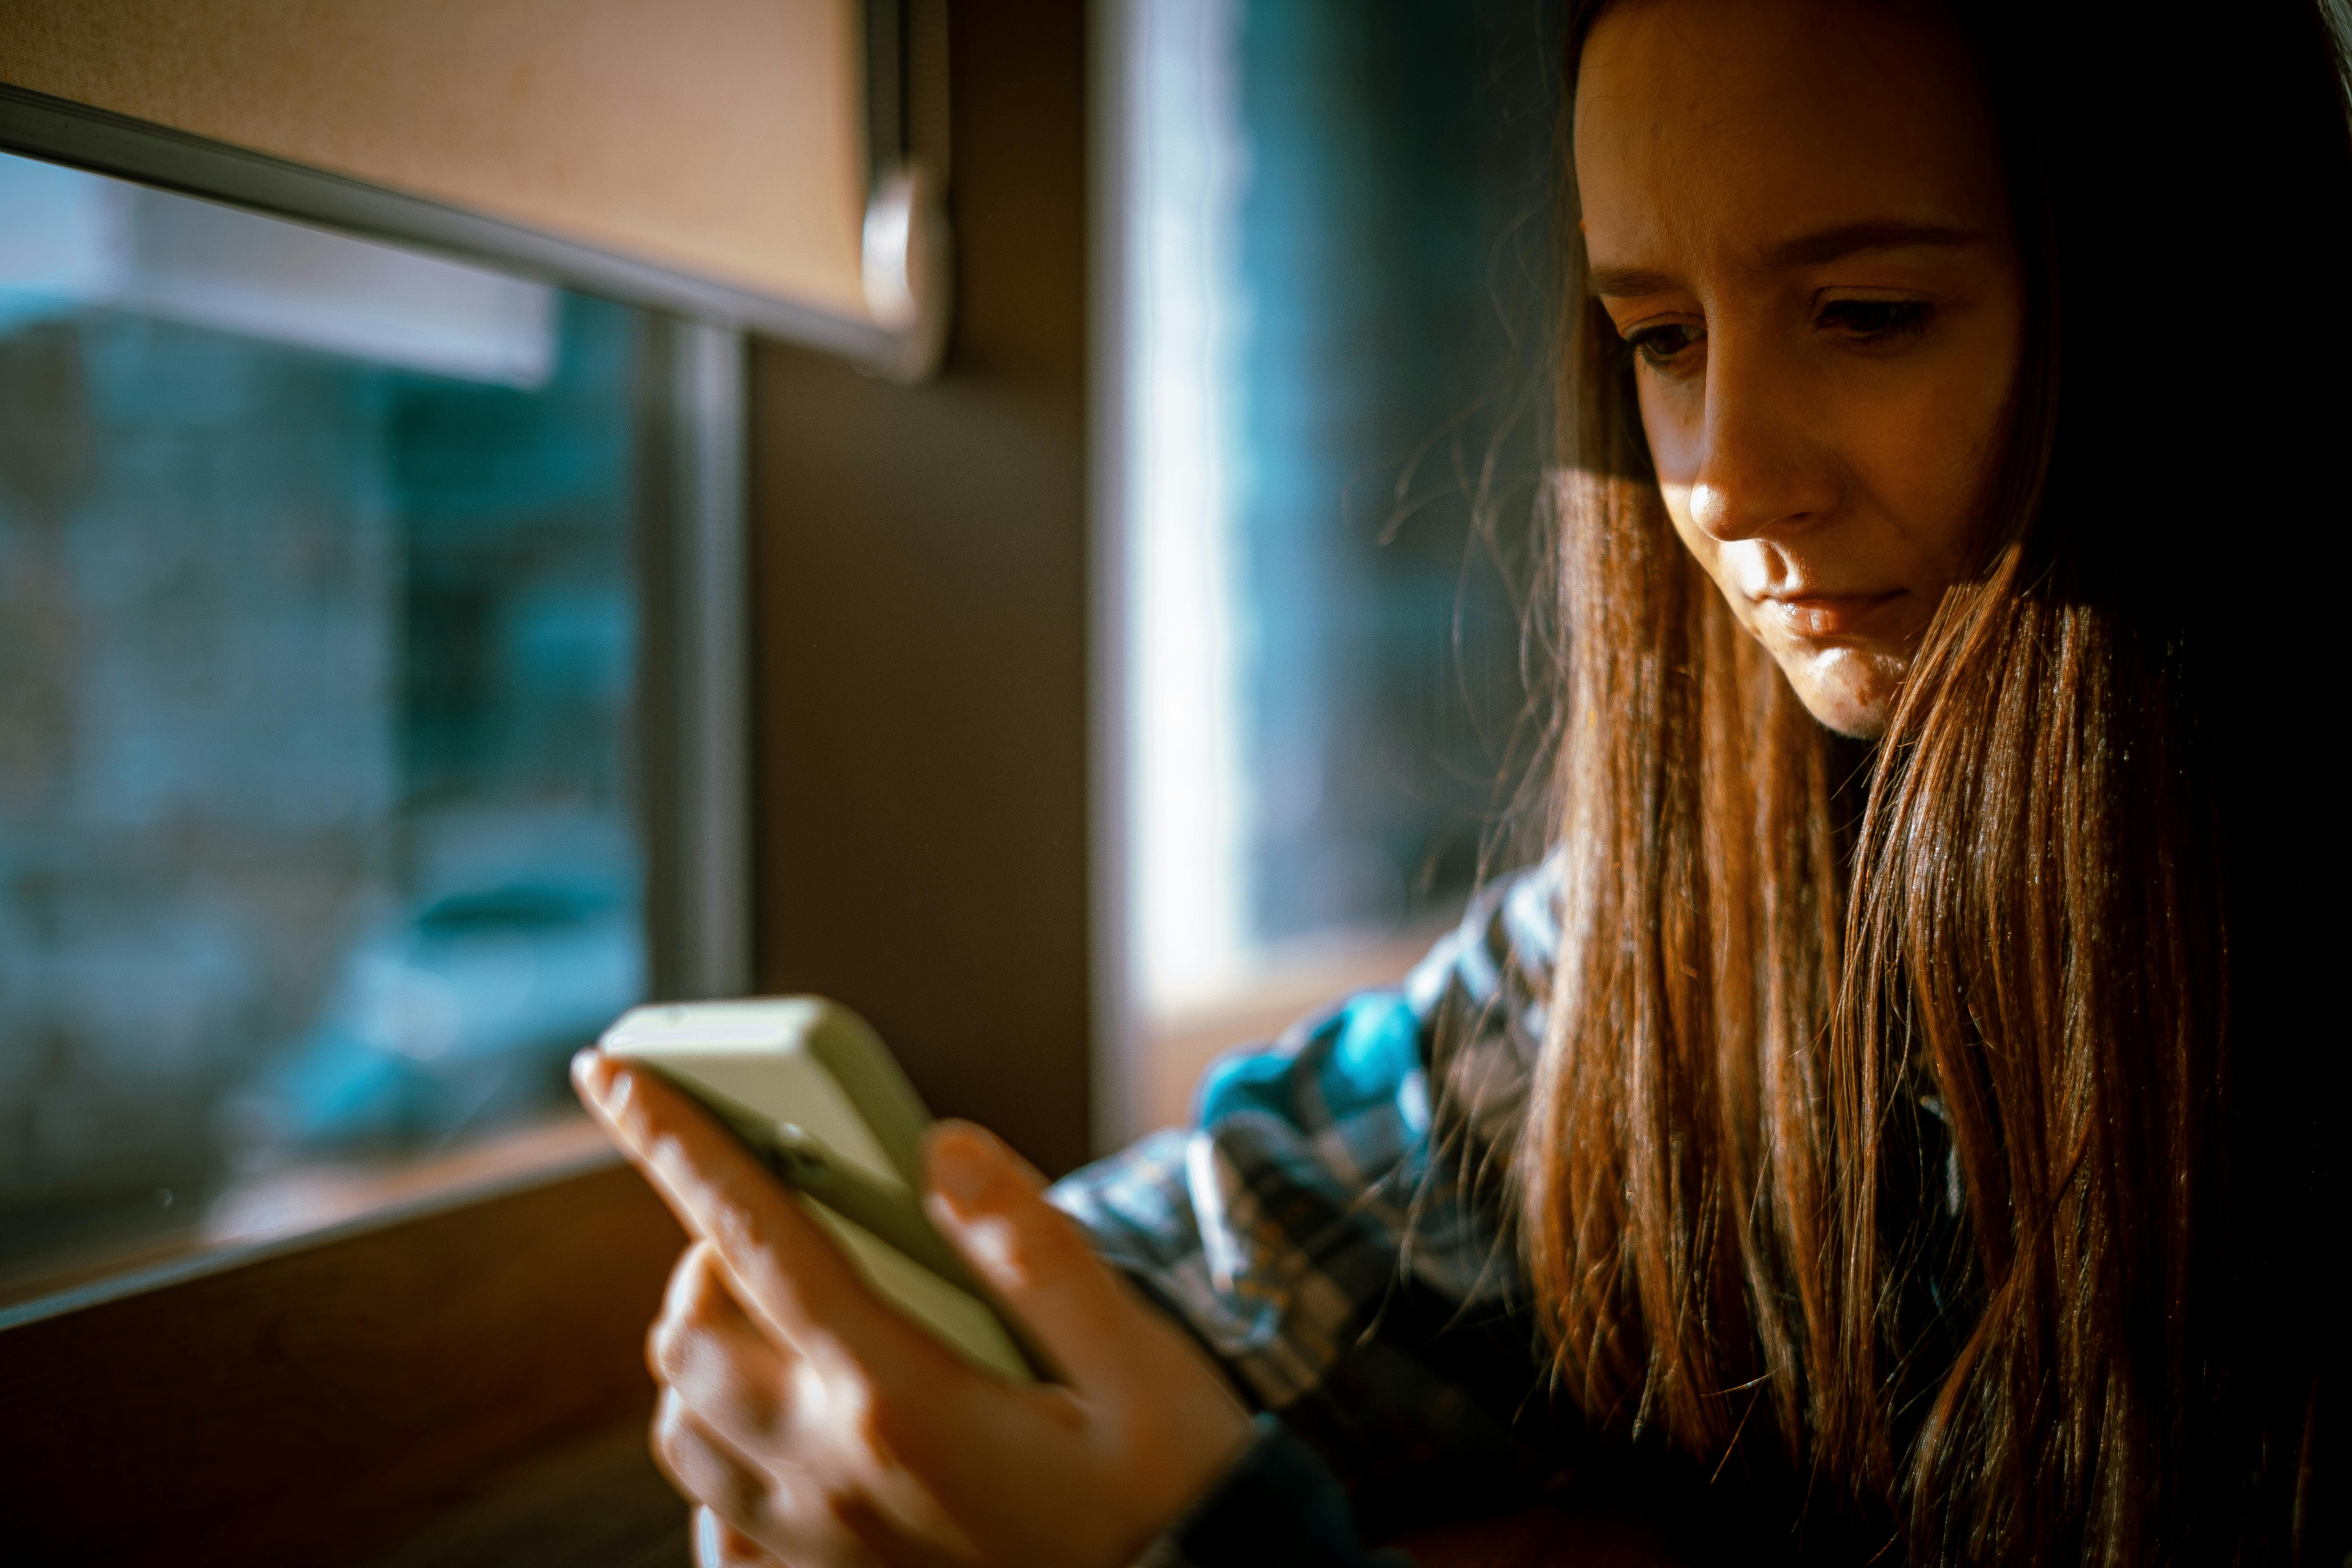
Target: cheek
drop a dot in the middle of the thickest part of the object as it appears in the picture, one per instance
(1927, 453)
(1672, 430)
(1704, 548)
(1674, 445)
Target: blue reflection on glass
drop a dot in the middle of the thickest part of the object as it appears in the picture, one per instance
(316, 658)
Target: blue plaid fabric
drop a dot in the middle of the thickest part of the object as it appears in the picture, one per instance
(1330, 1229)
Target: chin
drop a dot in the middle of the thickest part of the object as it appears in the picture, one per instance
(1863, 722)
(1846, 691)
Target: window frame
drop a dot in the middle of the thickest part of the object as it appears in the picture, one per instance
(104, 142)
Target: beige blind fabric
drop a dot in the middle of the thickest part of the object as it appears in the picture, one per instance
(723, 137)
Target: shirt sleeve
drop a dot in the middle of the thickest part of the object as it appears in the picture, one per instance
(1330, 1227)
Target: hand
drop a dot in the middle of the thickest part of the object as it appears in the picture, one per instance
(819, 1426)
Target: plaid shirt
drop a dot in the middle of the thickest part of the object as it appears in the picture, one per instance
(1330, 1229)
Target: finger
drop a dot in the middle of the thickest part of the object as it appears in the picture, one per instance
(991, 1204)
(705, 1349)
(705, 1471)
(793, 1275)
(786, 1513)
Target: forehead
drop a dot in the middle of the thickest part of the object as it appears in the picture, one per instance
(1721, 126)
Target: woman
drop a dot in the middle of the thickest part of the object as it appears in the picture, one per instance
(1894, 1104)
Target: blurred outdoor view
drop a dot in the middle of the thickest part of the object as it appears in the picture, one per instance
(1336, 263)
(316, 658)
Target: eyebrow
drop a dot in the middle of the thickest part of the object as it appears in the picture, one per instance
(1815, 249)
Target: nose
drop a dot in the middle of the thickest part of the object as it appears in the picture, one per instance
(1762, 468)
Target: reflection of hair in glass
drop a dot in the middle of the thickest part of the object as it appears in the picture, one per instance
(2037, 947)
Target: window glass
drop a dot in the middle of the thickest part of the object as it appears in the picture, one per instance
(1334, 321)
(316, 670)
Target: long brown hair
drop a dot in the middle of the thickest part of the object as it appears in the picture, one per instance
(1913, 1122)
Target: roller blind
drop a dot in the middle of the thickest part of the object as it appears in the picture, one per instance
(723, 137)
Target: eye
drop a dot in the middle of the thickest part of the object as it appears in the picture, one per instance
(1873, 321)
(1663, 344)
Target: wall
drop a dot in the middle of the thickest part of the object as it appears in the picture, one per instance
(919, 632)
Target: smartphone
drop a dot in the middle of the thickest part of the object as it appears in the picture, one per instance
(810, 1089)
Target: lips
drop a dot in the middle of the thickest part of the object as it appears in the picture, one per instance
(1828, 616)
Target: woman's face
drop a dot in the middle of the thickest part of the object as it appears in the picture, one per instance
(1795, 215)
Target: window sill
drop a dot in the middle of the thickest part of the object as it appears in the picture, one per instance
(322, 1396)
(305, 1204)
(597, 1503)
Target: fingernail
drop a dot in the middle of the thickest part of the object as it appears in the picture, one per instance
(961, 1164)
(994, 1249)
(589, 1069)
(601, 1079)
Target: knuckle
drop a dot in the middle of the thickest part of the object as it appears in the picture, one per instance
(690, 1279)
(669, 1350)
(670, 1435)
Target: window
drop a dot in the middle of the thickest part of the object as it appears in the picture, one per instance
(1332, 324)
(327, 574)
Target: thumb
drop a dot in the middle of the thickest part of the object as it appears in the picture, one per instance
(991, 1204)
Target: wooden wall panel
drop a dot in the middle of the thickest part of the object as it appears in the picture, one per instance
(305, 1406)
(920, 627)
